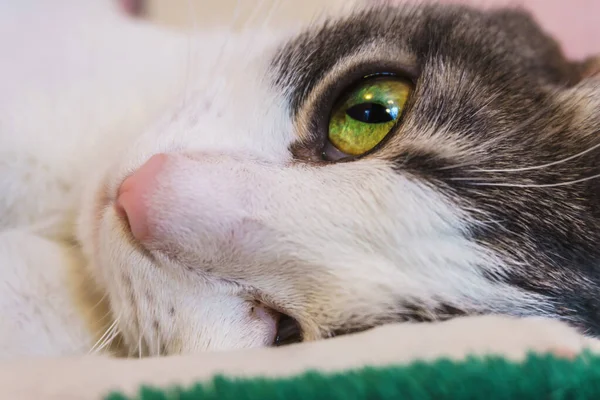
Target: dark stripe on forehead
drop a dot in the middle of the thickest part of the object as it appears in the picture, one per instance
(478, 40)
(304, 61)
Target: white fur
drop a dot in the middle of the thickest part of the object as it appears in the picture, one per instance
(81, 94)
(38, 314)
(91, 377)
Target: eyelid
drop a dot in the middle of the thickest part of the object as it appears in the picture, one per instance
(330, 152)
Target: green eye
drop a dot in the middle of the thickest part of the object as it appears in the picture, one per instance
(365, 116)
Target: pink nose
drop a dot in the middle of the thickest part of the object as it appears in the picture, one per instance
(134, 193)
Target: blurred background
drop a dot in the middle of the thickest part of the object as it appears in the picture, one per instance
(576, 23)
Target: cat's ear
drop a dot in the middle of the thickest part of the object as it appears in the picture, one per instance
(590, 68)
(584, 95)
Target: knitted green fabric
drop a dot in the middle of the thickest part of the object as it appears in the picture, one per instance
(493, 378)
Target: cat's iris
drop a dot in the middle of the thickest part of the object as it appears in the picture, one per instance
(366, 114)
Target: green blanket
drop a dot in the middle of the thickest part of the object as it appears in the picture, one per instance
(539, 377)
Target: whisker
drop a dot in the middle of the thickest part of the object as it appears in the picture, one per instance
(534, 167)
(252, 16)
(189, 55)
(527, 185)
(236, 13)
(109, 333)
(519, 127)
(269, 14)
(107, 314)
(454, 166)
(119, 347)
(158, 344)
(471, 178)
(192, 11)
(109, 340)
(100, 302)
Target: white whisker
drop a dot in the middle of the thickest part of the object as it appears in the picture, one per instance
(100, 302)
(250, 17)
(236, 14)
(192, 11)
(528, 185)
(158, 344)
(534, 167)
(455, 166)
(189, 56)
(108, 333)
(108, 340)
(107, 314)
(471, 178)
(269, 14)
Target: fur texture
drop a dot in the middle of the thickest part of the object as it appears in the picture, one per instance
(482, 200)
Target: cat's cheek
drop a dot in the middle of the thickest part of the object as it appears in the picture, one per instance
(164, 311)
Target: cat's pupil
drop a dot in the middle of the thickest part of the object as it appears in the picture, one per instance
(372, 113)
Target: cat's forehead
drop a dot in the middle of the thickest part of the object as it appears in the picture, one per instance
(470, 69)
(497, 44)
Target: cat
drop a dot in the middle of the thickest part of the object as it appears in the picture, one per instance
(385, 165)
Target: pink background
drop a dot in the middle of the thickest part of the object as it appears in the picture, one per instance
(576, 23)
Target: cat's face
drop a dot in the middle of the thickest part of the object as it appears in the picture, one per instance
(284, 183)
